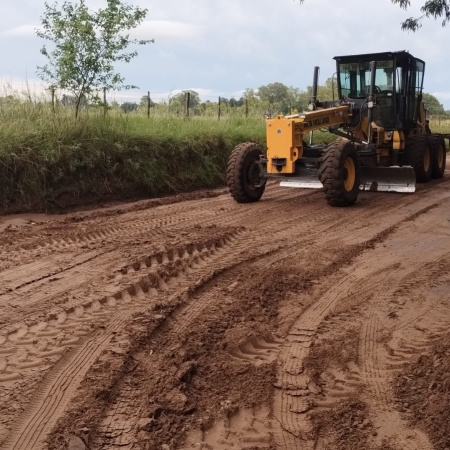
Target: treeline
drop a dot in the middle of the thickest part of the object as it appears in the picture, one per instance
(269, 100)
(272, 99)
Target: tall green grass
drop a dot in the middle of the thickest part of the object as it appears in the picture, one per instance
(440, 124)
(50, 160)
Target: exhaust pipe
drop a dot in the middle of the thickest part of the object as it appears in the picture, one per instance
(370, 100)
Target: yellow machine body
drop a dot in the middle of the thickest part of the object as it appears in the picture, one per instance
(285, 135)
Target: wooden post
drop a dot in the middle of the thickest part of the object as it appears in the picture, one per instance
(246, 107)
(148, 104)
(188, 101)
(53, 98)
(219, 106)
(104, 101)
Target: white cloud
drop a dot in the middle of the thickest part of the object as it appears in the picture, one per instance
(441, 96)
(166, 30)
(21, 31)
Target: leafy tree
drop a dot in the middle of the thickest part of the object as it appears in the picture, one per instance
(432, 104)
(324, 92)
(71, 100)
(236, 103)
(144, 102)
(181, 98)
(86, 46)
(277, 95)
(128, 107)
(438, 9)
(281, 98)
(250, 95)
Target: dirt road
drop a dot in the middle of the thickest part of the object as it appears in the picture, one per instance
(196, 322)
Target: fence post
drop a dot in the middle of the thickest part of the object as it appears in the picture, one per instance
(246, 107)
(219, 106)
(188, 101)
(148, 104)
(104, 101)
(53, 98)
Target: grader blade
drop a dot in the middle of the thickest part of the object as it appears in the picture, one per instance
(305, 177)
(388, 179)
(374, 179)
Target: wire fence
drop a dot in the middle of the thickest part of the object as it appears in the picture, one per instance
(39, 91)
(175, 103)
(180, 103)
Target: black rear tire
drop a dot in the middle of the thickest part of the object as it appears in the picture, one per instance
(340, 173)
(419, 156)
(244, 177)
(438, 156)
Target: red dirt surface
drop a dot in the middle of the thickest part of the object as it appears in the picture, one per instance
(197, 322)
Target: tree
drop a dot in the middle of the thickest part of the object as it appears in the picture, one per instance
(438, 9)
(432, 104)
(236, 103)
(144, 102)
(277, 95)
(194, 99)
(432, 8)
(86, 46)
(128, 107)
(281, 98)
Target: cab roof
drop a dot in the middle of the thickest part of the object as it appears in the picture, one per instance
(399, 55)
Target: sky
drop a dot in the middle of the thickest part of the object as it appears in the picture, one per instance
(221, 47)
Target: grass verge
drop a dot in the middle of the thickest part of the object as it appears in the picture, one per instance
(48, 162)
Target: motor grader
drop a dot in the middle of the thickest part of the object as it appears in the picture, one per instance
(383, 143)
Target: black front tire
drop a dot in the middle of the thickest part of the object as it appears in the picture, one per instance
(438, 156)
(340, 173)
(419, 156)
(244, 177)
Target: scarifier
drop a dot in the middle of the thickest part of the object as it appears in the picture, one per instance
(384, 141)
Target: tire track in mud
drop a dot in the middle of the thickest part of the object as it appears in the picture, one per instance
(157, 219)
(120, 424)
(10, 285)
(295, 382)
(63, 380)
(294, 387)
(380, 361)
(153, 273)
(152, 227)
(161, 219)
(273, 228)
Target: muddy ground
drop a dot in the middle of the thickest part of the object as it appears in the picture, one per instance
(202, 323)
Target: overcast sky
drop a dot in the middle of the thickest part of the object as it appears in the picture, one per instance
(221, 47)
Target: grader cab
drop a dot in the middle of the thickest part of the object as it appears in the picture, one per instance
(383, 139)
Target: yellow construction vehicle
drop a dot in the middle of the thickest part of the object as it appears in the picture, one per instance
(384, 141)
